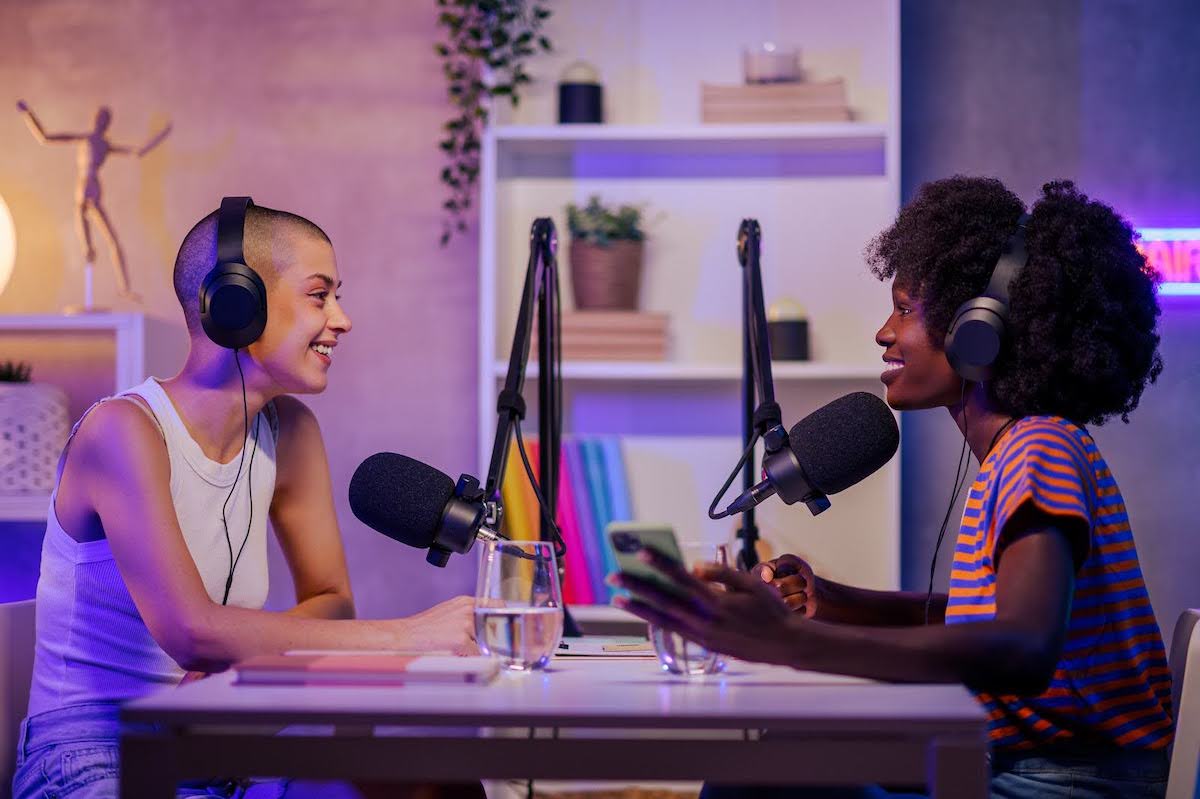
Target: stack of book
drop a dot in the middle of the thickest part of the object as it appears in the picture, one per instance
(613, 336)
(815, 101)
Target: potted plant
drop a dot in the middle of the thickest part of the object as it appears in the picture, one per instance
(33, 431)
(606, 255)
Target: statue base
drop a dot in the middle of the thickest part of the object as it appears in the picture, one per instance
(87, 307)
(80, 310)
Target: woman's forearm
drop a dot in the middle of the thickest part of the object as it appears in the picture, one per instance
(994, 656)
(223, 635)
(846, 604)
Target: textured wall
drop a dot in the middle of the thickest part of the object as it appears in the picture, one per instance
(1108, 94)
(330, 109)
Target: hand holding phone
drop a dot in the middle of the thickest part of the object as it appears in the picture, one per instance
(629, 538)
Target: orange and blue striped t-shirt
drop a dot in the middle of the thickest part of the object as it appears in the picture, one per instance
(1111, 684)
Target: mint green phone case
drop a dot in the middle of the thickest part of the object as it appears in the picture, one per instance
(627, 538)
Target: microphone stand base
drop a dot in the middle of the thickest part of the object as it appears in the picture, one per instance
(570, 626)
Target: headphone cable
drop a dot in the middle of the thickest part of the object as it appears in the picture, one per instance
(959, 482)
(224, 521)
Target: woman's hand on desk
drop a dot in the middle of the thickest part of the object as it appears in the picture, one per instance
(449, 625)
(731, 612)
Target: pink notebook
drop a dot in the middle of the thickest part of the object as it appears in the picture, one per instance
(318, 667)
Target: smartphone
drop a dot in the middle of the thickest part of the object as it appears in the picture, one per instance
(629, 538)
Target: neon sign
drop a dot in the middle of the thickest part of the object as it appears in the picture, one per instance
(1175, 254)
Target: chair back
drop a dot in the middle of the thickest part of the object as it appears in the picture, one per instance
(1185, 694)
(16, 669)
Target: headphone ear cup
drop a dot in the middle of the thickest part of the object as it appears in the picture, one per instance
(233, 305)
(974, 338)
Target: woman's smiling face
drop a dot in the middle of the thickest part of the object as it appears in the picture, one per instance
(305, 319)
(917, 374)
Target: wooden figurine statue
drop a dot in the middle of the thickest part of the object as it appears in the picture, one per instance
(93, 150)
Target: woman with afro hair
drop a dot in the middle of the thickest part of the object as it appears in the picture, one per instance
(1047, 618)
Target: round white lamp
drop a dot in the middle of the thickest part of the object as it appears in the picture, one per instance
(8, 245)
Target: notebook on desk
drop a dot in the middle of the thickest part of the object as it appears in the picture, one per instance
(318, 667)
(606, 646)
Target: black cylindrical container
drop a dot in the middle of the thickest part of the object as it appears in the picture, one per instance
(789, 339)
(580, 103)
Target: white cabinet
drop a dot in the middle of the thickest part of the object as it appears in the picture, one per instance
(89, 356)
(820, 192)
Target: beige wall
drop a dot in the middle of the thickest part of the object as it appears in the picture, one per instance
(329, 109)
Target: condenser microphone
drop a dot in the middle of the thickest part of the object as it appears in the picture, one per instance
(828, 451)
(417, 505)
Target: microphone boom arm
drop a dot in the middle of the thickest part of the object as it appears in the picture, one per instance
(540, 298)
(540, 280)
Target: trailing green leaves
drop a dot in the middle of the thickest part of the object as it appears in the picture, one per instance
(483, 58)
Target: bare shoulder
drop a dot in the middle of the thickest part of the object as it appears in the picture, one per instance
(117, 429)
(117, 448)
(296, 420)
(301, 450)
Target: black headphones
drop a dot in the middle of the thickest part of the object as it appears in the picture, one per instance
(233, 298)
(977, 332)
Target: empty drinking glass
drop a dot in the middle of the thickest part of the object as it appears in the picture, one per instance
(677, 654)
(518, 603)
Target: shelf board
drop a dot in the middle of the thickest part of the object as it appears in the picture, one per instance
(24, 507)
(67, 322)
(687, 139)
(699, 372)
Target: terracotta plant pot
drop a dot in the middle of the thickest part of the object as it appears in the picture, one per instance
(606, 277)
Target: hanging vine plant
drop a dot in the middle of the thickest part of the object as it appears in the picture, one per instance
(483, 58)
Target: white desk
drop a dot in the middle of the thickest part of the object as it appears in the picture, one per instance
(823, 730)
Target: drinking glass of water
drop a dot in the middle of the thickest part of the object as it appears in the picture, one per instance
(677, 654)
(518, 603)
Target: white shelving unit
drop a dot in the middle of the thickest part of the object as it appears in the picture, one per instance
(820, 192)
(139, 345)
(128, 330)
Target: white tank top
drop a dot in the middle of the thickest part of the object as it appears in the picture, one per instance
(92, 645)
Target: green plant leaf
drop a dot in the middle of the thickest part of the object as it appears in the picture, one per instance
(495, 35)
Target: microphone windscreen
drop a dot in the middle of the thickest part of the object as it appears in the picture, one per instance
(843, 442)
(400, 497)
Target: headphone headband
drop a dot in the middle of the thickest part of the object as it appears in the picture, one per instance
(977, 331)
(231, 227)
(233, 298)
(1012, 260)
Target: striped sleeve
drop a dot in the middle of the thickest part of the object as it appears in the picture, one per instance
(1044, 468)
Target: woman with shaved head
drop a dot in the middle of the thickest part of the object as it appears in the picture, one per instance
(154, 566)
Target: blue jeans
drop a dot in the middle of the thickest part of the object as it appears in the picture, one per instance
(72, 753)
(1066, 773)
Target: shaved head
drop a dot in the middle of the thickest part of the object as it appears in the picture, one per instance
(266, 245)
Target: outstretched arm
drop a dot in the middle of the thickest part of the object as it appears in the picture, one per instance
(123, 462)
(823, 599)
(1014, 652)
(39, 133)
(154, 141)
